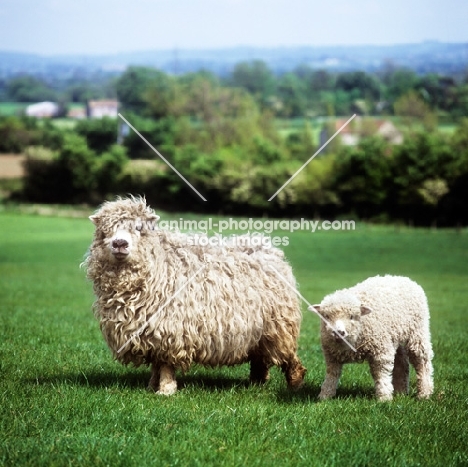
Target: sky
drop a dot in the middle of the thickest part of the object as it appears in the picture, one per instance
(95, 27)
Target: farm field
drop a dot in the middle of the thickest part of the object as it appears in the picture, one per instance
(66, 402)
(11, 166)
(12, 108)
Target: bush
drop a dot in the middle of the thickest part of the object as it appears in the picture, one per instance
(100, 133)
(44, 180)
(109, 170)
(159, 133)
(74, 174)
(15, 136)
(363, 176)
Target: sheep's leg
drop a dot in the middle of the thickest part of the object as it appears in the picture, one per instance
(423, 365)
(259, 372)
(294, 372)
(401, 372)
(332, 378)
(155, 376)
(382, 370)
(167, 381)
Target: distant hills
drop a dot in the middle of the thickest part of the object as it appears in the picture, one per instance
(436, 57)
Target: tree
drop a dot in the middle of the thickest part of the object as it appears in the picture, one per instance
(133, 85)
(425, 156)
(79, 165)
(256, 78)
(29, 89)
(159, 133)
(291, 91)
(109, 169)
(411, 107)
(15, 135)
(363, 176)
(359, 84)
(164, 97)
(301, 143)
(100, 133)
(399, 82)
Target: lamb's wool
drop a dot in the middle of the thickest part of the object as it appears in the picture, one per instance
(235, 309)
(394, 331)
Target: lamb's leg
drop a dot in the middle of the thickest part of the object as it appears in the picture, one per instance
(167, 381)
(382, 370)
(422, 362)
(332, 378)
(259, 372)
(294, 372)
(401, 372)
(155, 375)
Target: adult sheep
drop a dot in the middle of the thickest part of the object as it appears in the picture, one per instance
(164, 301)
(386, 322)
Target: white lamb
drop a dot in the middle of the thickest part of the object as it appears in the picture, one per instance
(166, 302)
(386, 321)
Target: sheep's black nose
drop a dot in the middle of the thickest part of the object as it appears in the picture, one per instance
(342, 332)
(119, 243)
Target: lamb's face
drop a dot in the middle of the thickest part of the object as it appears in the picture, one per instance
(119, 231)
(342, 318)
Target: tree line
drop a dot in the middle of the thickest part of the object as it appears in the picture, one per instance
(298, 93)
(224, 138)
(239, 163)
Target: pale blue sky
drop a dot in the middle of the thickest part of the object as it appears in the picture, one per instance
(52, 27)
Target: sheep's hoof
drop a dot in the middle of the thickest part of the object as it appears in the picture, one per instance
(324, 397)
(168, 389)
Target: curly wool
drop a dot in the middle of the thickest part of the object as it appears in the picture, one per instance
(397, 327)
(234, 310)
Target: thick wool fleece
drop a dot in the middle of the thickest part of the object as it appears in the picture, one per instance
(386, 320)
(235, 309)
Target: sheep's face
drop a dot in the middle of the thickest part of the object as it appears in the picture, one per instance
(342, 317)
(120, 225)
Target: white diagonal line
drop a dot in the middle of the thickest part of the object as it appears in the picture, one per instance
(297, 172)
(320, 316)
(142, 328)
(162, 157)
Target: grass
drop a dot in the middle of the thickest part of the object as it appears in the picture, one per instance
(65, 402)
(12, 108)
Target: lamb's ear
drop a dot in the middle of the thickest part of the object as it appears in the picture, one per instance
(365, 310)
(152, 221)
(94, 219)
(314, 308)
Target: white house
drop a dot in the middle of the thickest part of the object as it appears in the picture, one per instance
(351, 134)
(43, 110)
(103, 108)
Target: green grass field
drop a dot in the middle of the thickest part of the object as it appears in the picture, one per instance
(65, 402)
(12, 108)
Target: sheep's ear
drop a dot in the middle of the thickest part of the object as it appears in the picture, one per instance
(314, 308)
(94, 219)
(365, 310)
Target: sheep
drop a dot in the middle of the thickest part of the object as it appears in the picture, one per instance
(384, 321)
(165, 301)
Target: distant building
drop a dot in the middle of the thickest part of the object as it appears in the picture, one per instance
(43, 110)
(352, 133)
(77, 112)
(102, 108)
(388, 131)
